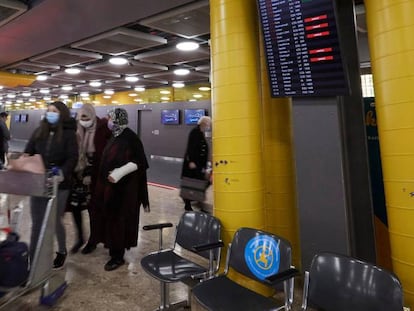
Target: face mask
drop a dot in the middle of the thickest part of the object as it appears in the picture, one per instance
(52, 117)
(110, 125)
(86, 124)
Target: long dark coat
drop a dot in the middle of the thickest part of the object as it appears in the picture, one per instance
(59, 150)
(197, 152)
(120, 202)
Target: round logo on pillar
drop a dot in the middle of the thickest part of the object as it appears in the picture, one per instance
(262, 256)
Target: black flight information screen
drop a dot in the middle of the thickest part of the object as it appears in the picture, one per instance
(302, 48)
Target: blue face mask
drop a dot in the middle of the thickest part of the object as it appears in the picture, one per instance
(110, 125)
(52, 117)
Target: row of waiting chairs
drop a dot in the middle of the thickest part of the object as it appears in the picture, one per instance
(333, 283)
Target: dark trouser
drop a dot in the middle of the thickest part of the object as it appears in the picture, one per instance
(187, 205)
(77, 218)
(117, 253)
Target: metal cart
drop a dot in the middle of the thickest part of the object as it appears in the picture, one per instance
(51, 282)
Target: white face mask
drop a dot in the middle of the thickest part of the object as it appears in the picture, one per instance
(86, 124)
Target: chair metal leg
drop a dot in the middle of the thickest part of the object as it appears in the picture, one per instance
(165, 300)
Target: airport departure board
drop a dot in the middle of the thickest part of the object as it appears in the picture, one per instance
(302, 48)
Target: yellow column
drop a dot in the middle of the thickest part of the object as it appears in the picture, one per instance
(280, 194)
(390, 29)
(8, 79)
(237, 119)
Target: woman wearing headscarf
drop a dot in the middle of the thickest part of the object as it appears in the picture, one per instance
(92, 134)
(121, 188)
(55, 141)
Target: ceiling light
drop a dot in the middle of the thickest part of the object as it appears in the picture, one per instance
(109, 92)
(19, 101)
(192, 100)
(197, 95)
(47, 98)
(132, 94)
(204, 88)
(84, 94)
(181, 72)
(139, 89)
(178, 85)
(165, 98)
(11, 96)
(41, 77)
(32, 99)
(187, 46)
(67, 88)
(118, 60)
(72, 71)
(64, 96)
(165, 92)
(95, 83)
(1, 87)
(131, 79)
(26, 94)
(137, 100)
(106, 96)
(44, 91)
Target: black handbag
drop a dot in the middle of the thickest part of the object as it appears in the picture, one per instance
(193, 189)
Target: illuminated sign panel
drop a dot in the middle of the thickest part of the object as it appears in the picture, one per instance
(302, 48)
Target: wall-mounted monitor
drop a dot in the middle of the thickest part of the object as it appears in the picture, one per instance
(24, 118)
(191, 116)
(302, 48)
(170, 116)
(17, 118)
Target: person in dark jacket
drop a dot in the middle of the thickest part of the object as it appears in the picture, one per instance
(196, 154)
(121, 188)
(55, 141)
(92, 134)
(4, 138)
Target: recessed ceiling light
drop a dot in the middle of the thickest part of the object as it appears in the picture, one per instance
(197, 95)
(47, 98)
(139, 89)
(118, 60)
(178, 85)
(64, 96)
(11, 96)
(19, 101)
(26, 94)
(67, 88)
(165, 98)
(187, 46)
(44, 91)
(204, 88)
(137, 100)
(181, 72)
(41, 77)
(192, 100)
(106, 96)
(132, 94)
(109, 92)
(84, 94)
(95, 83)
(165, 92)
(32, 99)
(131, 79)
(72, 71)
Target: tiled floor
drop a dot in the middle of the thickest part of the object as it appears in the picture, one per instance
(128, 288)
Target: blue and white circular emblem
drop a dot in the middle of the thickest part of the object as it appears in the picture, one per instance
(262, 256)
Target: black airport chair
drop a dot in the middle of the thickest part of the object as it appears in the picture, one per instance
(256, 254)
(341, 283)
(194, 230)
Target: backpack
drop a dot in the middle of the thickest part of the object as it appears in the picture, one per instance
(14, 261)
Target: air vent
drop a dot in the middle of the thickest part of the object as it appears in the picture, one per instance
(171, 56)
(188, 21)
(120, 41)
(9, 10)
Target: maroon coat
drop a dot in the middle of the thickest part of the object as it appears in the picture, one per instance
(119, 203)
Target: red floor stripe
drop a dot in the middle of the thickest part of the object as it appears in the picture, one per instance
(161, 186)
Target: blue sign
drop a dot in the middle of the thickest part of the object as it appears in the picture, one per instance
(262, 256)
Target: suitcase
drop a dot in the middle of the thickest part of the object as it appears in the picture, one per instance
(193, 189)
(14, 262)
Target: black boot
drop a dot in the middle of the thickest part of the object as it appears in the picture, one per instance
(187, 205)
(59, 260)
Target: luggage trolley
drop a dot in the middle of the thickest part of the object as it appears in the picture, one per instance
(52, 282)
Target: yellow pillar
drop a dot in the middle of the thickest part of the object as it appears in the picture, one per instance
(280, 194)
(236, 116)
(390, 30)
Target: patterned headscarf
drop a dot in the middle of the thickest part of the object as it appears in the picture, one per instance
(119, 117)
